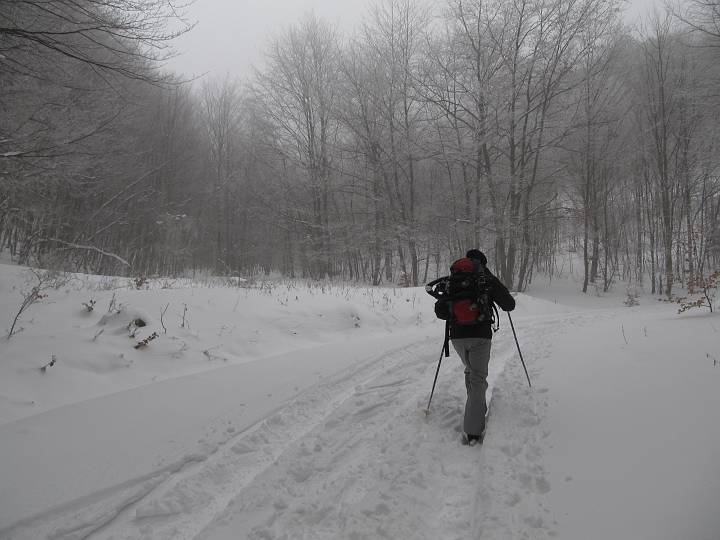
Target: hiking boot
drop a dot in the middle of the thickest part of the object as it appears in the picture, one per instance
(471, 440)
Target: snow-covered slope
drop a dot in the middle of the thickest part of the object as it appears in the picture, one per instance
(201, 326)
(291, 411)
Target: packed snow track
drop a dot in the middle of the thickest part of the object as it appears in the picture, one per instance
(351, 457)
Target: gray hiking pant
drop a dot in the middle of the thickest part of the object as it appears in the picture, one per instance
(475, 356)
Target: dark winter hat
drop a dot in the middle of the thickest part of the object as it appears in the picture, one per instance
(477, 254)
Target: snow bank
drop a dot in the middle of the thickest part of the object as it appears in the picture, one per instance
(198, 328)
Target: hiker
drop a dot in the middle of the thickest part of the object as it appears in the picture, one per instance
(472, 343)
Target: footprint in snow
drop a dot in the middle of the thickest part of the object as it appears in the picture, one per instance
(536, 484)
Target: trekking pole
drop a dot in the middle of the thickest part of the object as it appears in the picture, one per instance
(446, 351)
(518, 348)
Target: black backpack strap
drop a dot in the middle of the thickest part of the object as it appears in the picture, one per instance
(446, 344)
(496, 322)
(437, 288)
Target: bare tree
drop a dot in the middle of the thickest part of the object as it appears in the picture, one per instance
(126, 37)
(661, 120)
(298, 88)
(393, 36)
(702, 16)
(600, 110)
(221, 115)
(363, 119)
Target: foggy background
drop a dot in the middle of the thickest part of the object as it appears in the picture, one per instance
(231, 35)
(369, 145)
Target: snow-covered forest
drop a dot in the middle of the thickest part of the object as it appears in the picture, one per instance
(212, 320)
(376, 155)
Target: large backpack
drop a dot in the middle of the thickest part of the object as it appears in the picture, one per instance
(462, 298)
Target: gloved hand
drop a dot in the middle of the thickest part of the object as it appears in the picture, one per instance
(493, 283)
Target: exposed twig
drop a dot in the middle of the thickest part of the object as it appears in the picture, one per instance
(51, 363)
(162, 323)
(91, 248)
(210, 356)
(45, 280)
(144, 342)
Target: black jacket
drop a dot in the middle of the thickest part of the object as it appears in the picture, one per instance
(500, 295)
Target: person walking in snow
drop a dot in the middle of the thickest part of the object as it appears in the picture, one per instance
(472, 343)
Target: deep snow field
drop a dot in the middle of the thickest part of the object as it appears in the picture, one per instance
(287, 410)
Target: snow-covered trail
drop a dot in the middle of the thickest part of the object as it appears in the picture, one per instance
(90, 457)
(356, 458)
(376, 467)
(351, 457)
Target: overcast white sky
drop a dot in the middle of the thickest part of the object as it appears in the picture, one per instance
(231, 34)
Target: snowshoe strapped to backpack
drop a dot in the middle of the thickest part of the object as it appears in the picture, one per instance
(462, 298)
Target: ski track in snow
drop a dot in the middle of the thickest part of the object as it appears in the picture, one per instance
(355, 457)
